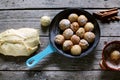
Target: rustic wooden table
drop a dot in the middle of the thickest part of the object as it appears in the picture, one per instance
(27, 13)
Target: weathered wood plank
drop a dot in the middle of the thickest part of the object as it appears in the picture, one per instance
(103, 41)
(59, 75)
(27, 13)
(108, 29)
(24, 18)
(12, 4)
(57, 61)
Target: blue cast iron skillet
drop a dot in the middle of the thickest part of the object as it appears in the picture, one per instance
(54, 30)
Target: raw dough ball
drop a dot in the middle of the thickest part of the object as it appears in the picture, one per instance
(89, 36)
(73, 17)
(20, 42)
(75, 39)
(80, 32)
(82, 20)
(59, 39)
(67, 45)
(84, 44)
(64, 24)
(89, 26)
(115, 55)
(67, 33)
(76, 50)
(45, 21)
(74, 26)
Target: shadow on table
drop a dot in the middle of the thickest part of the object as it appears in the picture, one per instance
(57, 61)
(110, 75)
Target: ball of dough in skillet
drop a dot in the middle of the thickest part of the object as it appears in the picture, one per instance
(73, 17)
(75, 39)
(74, 26)
(89, 26)
(80, 32)
(68, 33)
(59, 39)
(76, 50)
(89, 36)
(84, 44)
(64, 24)
(82, 20)
(67, 45)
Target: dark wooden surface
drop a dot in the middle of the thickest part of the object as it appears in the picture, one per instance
(26, 13)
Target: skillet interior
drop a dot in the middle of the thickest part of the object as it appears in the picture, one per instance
(54, 30)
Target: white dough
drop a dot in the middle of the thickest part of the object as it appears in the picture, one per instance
(20, 42)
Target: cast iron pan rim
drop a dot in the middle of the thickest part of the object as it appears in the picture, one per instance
(83, 53)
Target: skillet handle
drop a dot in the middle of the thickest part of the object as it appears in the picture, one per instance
(31, 62)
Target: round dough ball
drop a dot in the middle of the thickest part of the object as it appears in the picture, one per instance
(67, 45)
(64, 24)
(74, 26)
(89, 36)
(75, 39)
(80, 32)
(73, 17)
(76, 50)
(89, 27)
(115, 55)
(68, 33)
(45, 21)
(82, 20)
(59, 39)
(84, 44)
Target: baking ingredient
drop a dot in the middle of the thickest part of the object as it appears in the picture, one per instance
(113, 60)
(45, 21)
(80, 32)
(74, 26)
(84, 44)
(107, 15)
(67, 45)
(115, 55)
(68, 33)
(73, 17)
(89, 26)
(64, 24)
(76, 50)
(82, 20)
(59, 39)
(75, 39)
(19, 42)
(89, 36)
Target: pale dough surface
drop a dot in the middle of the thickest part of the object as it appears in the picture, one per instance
(19, 42)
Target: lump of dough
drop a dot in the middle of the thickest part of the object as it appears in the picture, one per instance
(19, 42)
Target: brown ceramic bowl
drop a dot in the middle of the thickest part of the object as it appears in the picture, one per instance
(106, 62)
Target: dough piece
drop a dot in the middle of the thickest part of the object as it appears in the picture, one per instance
(20, 42)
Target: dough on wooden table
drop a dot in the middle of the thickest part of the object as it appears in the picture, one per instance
(19, 42)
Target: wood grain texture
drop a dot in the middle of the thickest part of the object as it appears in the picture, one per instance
(27, 13)
(31, 18)
(57, 61)
(20, 4)
(59, 75)
(107, 29)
